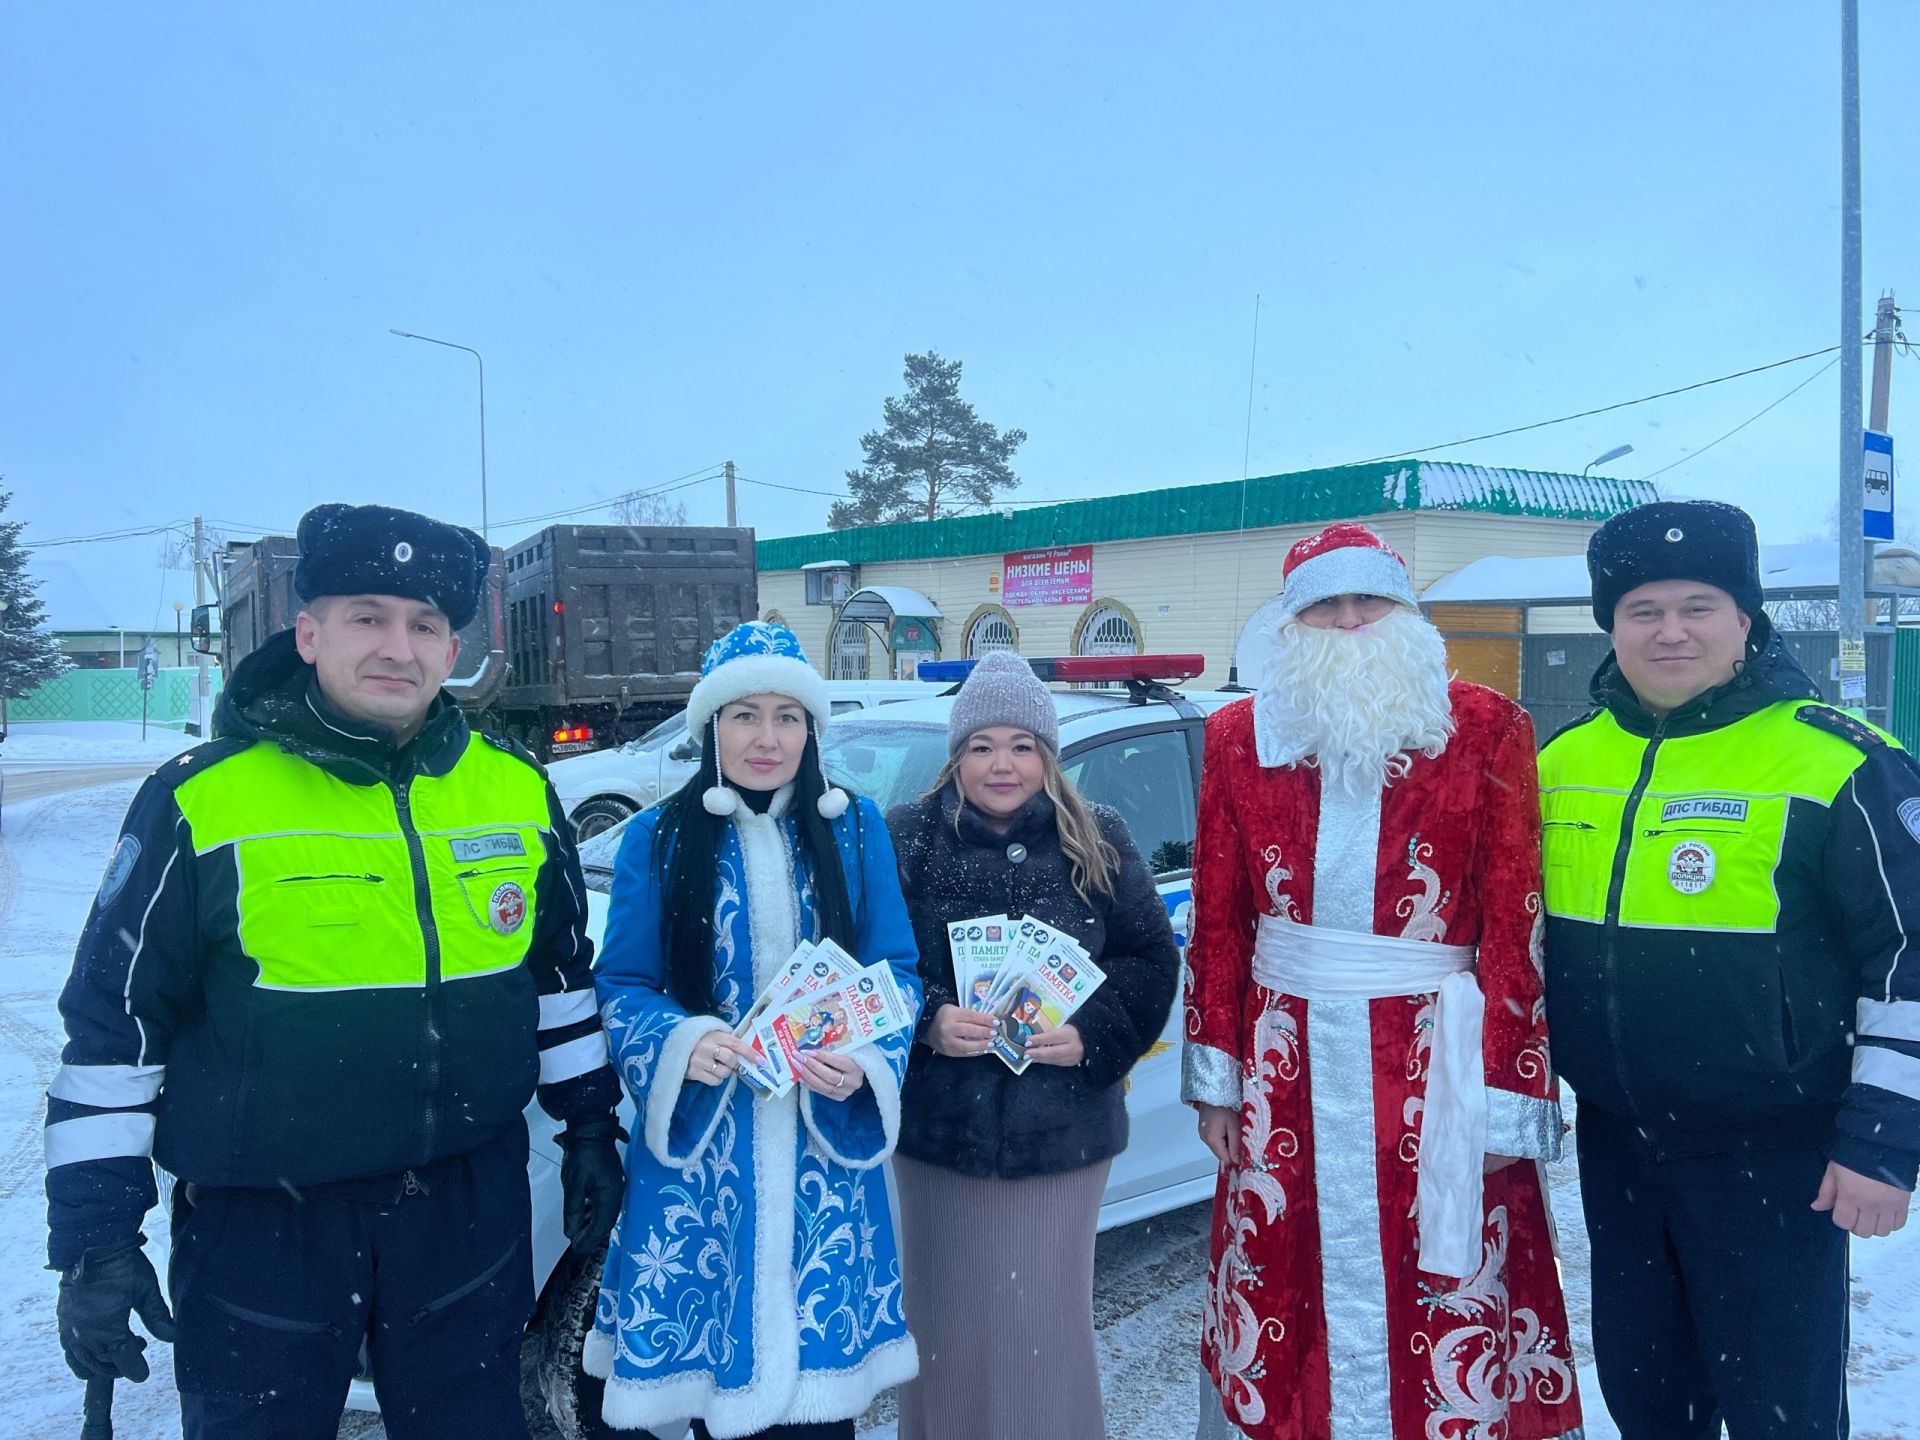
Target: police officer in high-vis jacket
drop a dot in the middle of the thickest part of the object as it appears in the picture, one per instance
(335, 952)
(1733, 989)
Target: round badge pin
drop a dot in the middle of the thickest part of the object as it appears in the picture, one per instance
(507, 908)
(1690, 867)
(403, 552)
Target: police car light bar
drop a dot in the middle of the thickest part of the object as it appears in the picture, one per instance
(1085, 669)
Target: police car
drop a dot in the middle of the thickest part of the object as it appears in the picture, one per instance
(1129, 740)
(599, 790)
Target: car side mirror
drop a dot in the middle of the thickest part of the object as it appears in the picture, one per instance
(200, 630)
(688, 749)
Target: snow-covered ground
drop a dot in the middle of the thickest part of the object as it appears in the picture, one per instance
(1149, 1276)
(98, 742)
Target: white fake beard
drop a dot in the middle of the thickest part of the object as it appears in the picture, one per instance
(1356, 703)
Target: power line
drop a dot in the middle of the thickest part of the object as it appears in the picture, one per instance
(128, 533)
(692, 477)
(797, 489)
(1599, 410)
(1695, 455)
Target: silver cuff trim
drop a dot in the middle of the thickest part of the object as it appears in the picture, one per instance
(1522, 1126)
(1208, 1076)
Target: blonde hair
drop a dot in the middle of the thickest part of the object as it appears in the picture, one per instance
(1094, 860)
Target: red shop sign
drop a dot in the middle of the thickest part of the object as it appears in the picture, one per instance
(1062, 575)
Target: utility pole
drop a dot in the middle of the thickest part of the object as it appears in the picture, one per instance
(1886, 329)
(1886, 324)
(197, 724)
(1854, 550)
(730, 511)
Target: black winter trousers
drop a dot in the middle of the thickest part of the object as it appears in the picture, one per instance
(1718, 1295)
(274, 1293)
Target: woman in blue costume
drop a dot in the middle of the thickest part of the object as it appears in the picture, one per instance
(752, 1285)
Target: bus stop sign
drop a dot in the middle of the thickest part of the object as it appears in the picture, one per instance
(1876, 488)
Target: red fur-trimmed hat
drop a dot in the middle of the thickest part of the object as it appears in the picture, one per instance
(1343, 559)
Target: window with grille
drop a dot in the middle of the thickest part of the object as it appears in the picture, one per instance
(992, 631)
(1108, 630)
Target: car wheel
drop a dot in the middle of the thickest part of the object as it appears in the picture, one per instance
(599, 815)
(572, 1395)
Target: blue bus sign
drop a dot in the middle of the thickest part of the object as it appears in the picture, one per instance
(1876, 492)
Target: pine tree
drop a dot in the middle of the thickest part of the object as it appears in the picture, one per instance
(29, 656)
(935, 457)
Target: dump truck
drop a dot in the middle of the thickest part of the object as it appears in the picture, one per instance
(257, 600)
(607, 624)
(588, 635)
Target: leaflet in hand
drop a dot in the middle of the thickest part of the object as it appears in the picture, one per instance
(979, 949)
(824, 1001)
(813, 966)
(1047, 977)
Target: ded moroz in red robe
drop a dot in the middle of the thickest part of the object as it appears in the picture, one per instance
(1318, 1321)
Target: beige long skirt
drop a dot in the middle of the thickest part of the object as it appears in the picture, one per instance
(998, 1281)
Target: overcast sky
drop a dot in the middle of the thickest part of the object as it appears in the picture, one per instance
(681, 236)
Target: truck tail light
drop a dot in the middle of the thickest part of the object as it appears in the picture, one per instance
(572, 734)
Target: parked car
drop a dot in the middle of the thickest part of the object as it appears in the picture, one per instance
(599, 790)
(1135, 745)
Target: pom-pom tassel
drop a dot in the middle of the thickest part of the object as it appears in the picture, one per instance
(833, 803)
(719, 800)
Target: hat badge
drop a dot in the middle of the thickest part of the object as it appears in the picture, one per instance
(403, 552)
(1676, 533)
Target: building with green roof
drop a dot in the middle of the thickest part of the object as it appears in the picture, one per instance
(1176, 570)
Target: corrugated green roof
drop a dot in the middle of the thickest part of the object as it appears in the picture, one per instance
(1305, 497)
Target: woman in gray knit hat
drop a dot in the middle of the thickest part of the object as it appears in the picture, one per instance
(1000, 1174)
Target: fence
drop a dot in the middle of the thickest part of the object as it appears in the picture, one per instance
(1555, 670)
(113, 695)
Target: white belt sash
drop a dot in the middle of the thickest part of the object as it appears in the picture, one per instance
(1324, 964)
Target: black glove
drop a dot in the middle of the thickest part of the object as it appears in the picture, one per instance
(592, 1183)
(98, 1297)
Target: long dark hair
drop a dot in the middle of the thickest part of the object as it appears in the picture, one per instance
(686, 859)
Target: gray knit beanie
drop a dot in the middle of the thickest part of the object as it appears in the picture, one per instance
(1003, 690)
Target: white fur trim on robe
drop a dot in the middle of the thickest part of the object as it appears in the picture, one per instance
(670, 1081)
(886, 1096)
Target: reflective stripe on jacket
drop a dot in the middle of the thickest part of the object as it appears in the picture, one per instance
(1729, 896)
(316, 959)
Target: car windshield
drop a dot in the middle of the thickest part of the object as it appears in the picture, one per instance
(888, 762)
(661, 734)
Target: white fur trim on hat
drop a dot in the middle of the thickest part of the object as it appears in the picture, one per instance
(759, 675)
(1349, 570)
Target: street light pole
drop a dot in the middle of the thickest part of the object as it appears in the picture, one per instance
(178, 606)
(1614, 454)
(452, 345)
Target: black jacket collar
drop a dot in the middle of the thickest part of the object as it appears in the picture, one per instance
(275, 695)
(1033, 821)
(1769, 675)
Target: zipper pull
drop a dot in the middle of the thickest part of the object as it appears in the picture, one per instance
(410, 1184)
